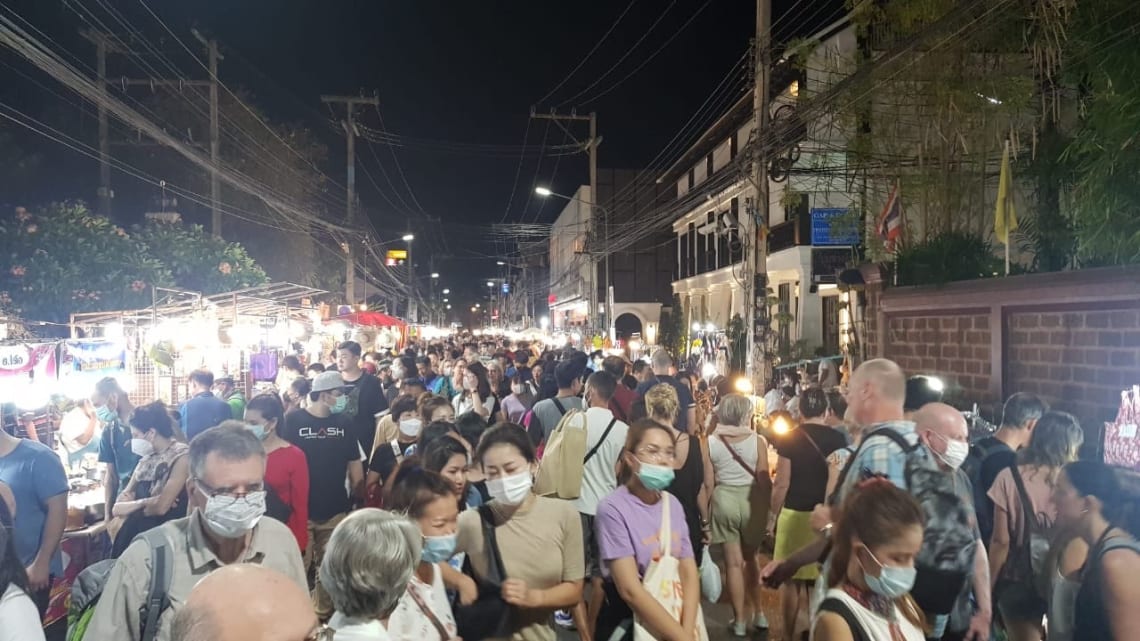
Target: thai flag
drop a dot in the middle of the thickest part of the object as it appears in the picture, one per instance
(891, 220)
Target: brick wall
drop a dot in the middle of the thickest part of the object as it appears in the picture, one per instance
(1072, 337)
(957, 348)
(1080, 359)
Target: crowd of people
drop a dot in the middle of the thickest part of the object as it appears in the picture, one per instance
(484, 490)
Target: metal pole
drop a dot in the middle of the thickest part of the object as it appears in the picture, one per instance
(350, 206)
(594, 220)
(759, 312)
(104, 129)
(215, 144)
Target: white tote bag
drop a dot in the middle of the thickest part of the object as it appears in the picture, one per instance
(663, 580)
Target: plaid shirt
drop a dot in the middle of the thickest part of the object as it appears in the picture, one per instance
(879, 455)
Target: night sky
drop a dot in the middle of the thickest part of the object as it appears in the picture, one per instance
(453, 71)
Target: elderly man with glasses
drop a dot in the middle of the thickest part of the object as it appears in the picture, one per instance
(226, 492)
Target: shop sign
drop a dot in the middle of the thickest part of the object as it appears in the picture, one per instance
(827, 263)
(17, 360)
(832, 227)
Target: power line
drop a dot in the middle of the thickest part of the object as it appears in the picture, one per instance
(588, 54)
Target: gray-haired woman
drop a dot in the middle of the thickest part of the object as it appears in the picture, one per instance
(367, 565)
(740, 505)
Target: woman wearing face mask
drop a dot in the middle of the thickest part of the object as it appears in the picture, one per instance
(1091, 503)
(1055, 442)
(156, 492)
(519, 402)
(539, 538)
(286, 469)
(477, 395)
(424, 613)
(876, 539)
(629, 524)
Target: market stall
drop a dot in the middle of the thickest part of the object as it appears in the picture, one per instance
(375, 331)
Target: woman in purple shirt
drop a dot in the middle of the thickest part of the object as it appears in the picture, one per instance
(628, 523)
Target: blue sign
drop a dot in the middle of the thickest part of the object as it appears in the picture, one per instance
(832, 227)
(506, 288)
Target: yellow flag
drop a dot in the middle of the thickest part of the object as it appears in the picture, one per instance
(1005, 214)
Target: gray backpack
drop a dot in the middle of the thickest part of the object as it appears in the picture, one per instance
(88, 587)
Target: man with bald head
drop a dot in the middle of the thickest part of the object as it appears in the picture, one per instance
(245, 603)
(943, 431)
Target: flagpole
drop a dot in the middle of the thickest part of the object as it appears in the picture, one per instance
(1007, 254)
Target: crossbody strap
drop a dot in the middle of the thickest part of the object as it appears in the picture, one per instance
(444, 635)
(560, 406)
(665, 532)
(1031, 525)
(813, 444)
(487, 516)
(601, 441)
(836, 606)
(740, 459)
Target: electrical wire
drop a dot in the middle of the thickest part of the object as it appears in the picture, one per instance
(590, 53)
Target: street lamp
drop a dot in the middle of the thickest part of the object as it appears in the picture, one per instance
(500, 263)
(546, 192)
(447, 291)
(407, 238)
(435, 274)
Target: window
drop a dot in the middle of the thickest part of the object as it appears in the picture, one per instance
(692, 177)
(722, 242)
(684, 247)
(733, 146)
(702, 252)
(831, 324)
(709, 168)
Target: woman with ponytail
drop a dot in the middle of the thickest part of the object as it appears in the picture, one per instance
(877, 537)
(1089, 499)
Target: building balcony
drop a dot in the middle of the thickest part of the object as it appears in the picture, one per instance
(792, 233)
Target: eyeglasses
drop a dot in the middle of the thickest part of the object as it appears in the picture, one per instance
(655, 453)
(210, 492)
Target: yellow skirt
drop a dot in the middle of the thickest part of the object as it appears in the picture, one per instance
(793, 532)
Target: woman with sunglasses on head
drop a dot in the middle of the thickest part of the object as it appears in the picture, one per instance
(877, 537)
(629, 524)
(424, 613)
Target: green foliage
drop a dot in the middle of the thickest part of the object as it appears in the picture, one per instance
(199, 261)
(673, 334)
(64, 259)
(947, 257)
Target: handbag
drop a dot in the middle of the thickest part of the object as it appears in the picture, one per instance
(662, 580)
(489, 616)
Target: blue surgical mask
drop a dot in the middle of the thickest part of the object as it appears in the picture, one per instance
(340, 404)
(105, 414)
(258, 430)
(438, 549)
(655, 477)
(892, 582)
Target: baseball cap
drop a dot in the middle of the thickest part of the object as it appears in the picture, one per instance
(326, 381)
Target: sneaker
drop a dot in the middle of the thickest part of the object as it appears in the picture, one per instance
(738, 630)
(760, 622)
(563, 619)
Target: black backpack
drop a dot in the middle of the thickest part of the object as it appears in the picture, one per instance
(946, 560)
(972, 468)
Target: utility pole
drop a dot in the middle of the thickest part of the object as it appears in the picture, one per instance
(105, 193)
(215, 137)
(591, 146)
(761, 214)
(350, 104)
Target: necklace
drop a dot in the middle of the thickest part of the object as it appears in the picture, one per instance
(879, 606)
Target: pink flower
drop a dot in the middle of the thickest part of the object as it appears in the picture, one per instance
(22, 214)
(33, 229)
(138, 286)
(225, 268)
(18, 270)
(120, 231)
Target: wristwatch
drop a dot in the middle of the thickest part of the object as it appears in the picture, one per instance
(825, 531)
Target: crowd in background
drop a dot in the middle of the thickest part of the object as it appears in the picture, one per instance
(493, 489)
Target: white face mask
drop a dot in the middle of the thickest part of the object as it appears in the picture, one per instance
(956, 453)
(230, 517)
(141, 447)
(511, 490)
(410, 426)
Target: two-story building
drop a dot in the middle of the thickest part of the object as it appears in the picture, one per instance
(572, 274)
(809, 239)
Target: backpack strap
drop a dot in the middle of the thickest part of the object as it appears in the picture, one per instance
(560, 406)
(882, 431)
(836, 606)
(161, 571)
(592, 452)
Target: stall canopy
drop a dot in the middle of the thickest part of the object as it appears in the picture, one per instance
(369, 319)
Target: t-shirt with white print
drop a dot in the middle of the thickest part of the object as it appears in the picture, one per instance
(410, 623)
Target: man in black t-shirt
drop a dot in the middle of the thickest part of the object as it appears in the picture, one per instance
(366, 396)
(321, 432)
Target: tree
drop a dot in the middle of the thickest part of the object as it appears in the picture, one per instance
(199, 261)
(674, 335)
(64, 259)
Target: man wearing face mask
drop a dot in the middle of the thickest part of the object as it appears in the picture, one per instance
(321, 431)
(226, 493)
(943, 430)
(113, 409)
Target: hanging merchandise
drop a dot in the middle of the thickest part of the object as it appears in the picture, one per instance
(1121, 441)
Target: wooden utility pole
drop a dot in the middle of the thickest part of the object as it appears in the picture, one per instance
(215, 137)
(595, 208)
(758, 311)
(105, 193)
(350, 105)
